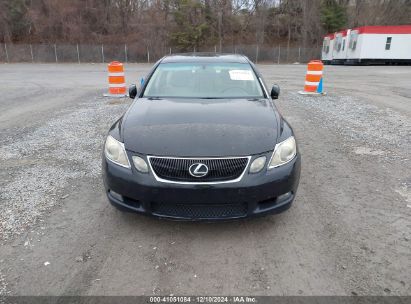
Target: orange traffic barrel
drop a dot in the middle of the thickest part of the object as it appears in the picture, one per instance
(116, 79)
(314, 78)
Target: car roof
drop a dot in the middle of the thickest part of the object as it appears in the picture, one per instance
(205, 57)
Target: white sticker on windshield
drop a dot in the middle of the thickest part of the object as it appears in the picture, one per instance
(241, 75)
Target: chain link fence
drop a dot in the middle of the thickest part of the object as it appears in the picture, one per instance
(94, 53)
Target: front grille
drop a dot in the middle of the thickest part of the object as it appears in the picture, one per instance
(219, 169)
(204, 211)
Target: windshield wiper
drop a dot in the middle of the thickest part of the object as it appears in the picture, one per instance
(211, 97)
(154, 98)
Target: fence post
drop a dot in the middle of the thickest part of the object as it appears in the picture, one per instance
(299, 55)
(102, 53)
(7, 53)
(288, 54)
(125, 53)
(256, 54)
(215, 49)
(55, 52)
(148, 55)
(279, 54)
(170, 50)
(31, 52)
(78, 55)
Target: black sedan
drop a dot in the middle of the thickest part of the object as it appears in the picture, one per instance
(202, 140)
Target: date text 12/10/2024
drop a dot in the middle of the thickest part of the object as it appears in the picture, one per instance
(203, 299)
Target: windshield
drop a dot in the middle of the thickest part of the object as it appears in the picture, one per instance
(204, 80)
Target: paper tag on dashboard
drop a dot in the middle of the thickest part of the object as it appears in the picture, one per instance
(241, 75)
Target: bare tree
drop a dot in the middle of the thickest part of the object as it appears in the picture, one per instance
(156, 22)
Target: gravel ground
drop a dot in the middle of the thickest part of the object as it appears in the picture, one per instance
(381, 129)
(349, 231)
(50, 157)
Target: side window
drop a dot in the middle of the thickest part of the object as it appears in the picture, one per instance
(338, 43)
(326, 46)
(343, 45)
(388, 43)
(353, 40)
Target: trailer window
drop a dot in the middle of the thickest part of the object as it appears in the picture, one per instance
(338, 43)
(343, 44)
(388, 43)
(353, 43)
(353, 40)
(326, 46)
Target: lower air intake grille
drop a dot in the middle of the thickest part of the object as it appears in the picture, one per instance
(205, 211)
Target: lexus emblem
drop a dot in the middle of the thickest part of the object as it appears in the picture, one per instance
(198, 170)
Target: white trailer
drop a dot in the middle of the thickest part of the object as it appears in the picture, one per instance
(369, 45)
(327, 50)
(335, 48)
(340, 47)
(379, 45)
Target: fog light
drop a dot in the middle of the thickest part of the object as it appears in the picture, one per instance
(116, 195)
(258, 164)
(140, 164)
(284, 196)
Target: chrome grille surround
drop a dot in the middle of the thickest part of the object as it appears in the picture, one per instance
(195, 160)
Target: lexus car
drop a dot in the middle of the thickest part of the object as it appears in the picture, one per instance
(202, 140)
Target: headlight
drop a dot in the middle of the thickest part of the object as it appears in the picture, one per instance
(140, 164)
(257, 164)
(114, 151)
(283, 153)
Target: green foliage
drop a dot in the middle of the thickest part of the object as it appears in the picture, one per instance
(191, 25)
(17, 18)
(333, 16)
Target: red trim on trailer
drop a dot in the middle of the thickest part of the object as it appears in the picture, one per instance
(342, 33)
(389, 29)
(331, 36)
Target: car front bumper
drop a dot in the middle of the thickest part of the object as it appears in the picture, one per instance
(267, 192)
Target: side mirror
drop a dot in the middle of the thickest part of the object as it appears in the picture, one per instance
(132, 91)
(275, 91)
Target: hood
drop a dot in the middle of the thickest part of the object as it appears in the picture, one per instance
(200, 127)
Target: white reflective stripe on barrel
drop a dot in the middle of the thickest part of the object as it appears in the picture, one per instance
(116, 74)
(311, 83)
(314, 72)
(116, 85)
